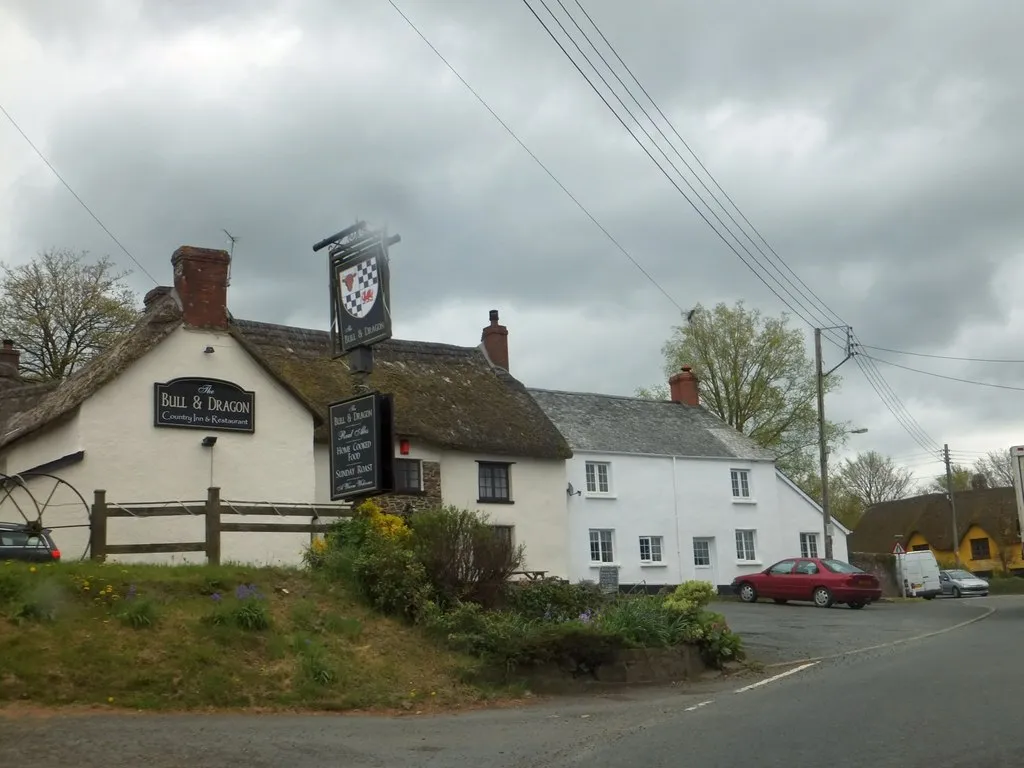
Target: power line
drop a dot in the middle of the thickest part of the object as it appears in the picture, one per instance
(536, 159)
(874, 376)
(942, 357)
(948, 378)
(75, 194)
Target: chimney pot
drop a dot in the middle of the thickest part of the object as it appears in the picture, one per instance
(10, 361)
(201, 282)
(684, 387)
(495, 341)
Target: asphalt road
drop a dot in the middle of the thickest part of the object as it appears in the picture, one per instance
(948, 700)
(774, 634)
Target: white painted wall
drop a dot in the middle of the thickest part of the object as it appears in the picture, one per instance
(137, 462)
(538, 511)
(537, 514)
(680, 500)
(802, 512)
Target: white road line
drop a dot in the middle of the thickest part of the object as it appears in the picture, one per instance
(772, 679)
(698, 706)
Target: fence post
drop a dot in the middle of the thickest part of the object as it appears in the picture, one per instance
(98, 527)
(213, 526)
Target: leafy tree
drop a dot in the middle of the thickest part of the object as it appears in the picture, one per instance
(62, 310)
(757, 376)
(961, 480)
(872, 478)
(997, 467)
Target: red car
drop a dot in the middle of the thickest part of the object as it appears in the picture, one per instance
(823, 582)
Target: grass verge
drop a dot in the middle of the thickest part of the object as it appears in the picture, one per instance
(194, 637)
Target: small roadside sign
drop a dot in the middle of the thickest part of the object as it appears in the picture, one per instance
(897, 549)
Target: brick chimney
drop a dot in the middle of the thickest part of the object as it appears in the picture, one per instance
(495, 341)
(684, 387)
(10, 361)
(201, 282)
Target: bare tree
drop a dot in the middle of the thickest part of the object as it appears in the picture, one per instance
(873, 478)
(61, 311)
(997, 467)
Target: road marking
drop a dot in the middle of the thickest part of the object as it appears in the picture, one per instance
(772, 679)
(891, 644)
(698, 706)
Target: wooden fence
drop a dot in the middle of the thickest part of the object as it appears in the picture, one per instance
(212, 510)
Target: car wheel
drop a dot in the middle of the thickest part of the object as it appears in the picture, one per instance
(780, 601)
(928, 597)
(823, 597)
(856, 604)
(956, 592)
(747, 593)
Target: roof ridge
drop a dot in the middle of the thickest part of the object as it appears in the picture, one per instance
(259, 324)
(632, 398)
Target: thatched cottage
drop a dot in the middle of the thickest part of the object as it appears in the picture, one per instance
(463, 422)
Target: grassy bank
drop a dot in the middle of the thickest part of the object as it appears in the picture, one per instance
(1006, 585)
(183, 637)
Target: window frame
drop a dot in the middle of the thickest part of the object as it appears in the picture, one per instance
(805, 548)
(740, 480)
(492, 466)
(600, 546)
(653, 543)
(399, 473)
(988, 548)
(752, 549)
(597, 465)
(707, 544)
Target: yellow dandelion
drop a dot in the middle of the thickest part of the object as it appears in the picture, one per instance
(32, 569)
(110, 700)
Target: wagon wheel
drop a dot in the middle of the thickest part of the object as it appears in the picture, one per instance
(44, 501)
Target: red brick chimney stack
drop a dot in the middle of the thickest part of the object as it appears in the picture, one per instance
(495, 340)
(684, 387)
(10, 360)
(201, 282)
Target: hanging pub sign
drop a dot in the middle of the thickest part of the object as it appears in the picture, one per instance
(362, 446)
(211, 404)
(362, 285)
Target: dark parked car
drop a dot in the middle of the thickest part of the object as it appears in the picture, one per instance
(19, 541)
(823, 582)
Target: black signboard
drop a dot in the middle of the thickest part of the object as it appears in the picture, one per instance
(211, 404)
(362, 446)
(362, 296)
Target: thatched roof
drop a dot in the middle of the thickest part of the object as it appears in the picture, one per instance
(448, 396)
(993, 509)
(60, 401)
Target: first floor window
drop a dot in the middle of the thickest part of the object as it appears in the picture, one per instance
(650, 549)
(745, 546)
(494, 482)
(808, 545)
(408, 477)
(980, 549)
(601, 546)
(740, 483)
(702, 553)
(598, 473)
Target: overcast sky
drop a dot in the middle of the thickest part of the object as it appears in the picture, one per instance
(876, 146)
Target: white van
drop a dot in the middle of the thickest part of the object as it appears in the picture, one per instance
(921, 574)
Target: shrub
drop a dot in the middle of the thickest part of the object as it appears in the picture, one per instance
(644, 622)
(717, 643)
(691, 597)
(463, 557)
(554, 599)
(137, 612)
(389, 576)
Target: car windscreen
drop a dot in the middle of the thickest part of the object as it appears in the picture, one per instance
(838, 566)
(960, 575)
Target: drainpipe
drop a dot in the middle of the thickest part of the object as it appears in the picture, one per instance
(675, 512)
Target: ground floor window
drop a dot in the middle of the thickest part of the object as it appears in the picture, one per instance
(650, 549)
(601, 550)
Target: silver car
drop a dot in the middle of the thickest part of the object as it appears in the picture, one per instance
(960, 583)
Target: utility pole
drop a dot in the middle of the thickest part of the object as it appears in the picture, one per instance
(952, 503)
(822, 446)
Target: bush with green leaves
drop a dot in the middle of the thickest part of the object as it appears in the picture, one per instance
(390, 577)
(554, 599)
(463, 556)
(691, 597)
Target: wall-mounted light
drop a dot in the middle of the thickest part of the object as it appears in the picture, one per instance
(403, 447)
(208, 350)
(209, 441)
(570, 491)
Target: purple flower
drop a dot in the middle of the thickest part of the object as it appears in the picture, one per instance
(216, 597)
(585, 617)
(131, 592)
